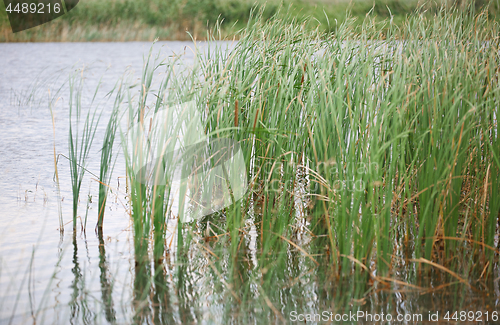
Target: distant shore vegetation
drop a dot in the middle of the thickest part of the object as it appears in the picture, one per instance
(146, 20)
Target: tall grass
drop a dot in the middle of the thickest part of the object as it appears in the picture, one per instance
(371, 160)
(396, 136)
(149, 137)
(107, 162)
(79, 144)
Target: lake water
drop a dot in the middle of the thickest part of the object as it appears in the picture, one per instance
(50, 277)
(38, 265)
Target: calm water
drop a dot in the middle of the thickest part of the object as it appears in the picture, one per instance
(53, 278)
(40, 268)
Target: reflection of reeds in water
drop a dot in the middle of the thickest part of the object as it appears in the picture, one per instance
(163, 310)
(106, 285)
(78, 303)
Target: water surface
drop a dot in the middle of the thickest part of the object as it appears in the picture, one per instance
(54, 277)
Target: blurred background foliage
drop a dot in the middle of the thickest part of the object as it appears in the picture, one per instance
(145, 20)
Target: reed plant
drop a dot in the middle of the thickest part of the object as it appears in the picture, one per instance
(80, 137)
(107, 163)
(150, 137)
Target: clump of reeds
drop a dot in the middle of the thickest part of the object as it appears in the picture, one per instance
(369, 151)
(397, 136)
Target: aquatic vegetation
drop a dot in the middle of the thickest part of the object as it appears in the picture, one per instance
(382, 149)
(372, 166)
(107, 162)
(79, 144)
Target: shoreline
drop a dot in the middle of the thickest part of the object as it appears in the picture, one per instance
(139, 20)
